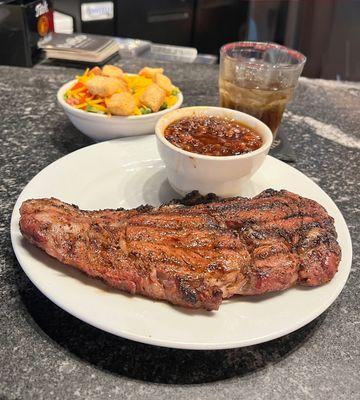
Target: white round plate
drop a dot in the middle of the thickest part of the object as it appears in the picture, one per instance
(127, 173)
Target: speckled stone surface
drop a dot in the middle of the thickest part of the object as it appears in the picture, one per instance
(47, 354)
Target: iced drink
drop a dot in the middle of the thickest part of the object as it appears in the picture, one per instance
(259, 79)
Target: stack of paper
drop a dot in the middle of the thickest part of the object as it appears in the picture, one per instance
(82, 47)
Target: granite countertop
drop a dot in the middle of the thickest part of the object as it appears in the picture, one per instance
(46, 353)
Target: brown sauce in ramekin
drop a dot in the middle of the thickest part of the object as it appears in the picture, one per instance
(212, 136)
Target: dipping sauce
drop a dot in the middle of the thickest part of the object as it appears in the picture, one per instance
(212, 136)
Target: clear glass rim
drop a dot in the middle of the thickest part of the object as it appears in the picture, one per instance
(263, 45)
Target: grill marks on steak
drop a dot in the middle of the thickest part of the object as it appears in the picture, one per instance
(296, 234)
(187, 259)
(301, 225)
(193, 255)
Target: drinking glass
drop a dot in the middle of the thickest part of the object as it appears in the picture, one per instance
(259, 79)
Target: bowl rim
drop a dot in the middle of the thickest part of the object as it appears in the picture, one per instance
(265, 134)
(68, 107)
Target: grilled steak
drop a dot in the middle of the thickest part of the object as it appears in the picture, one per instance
(196, 253)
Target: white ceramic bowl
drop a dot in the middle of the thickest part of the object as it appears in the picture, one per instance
(224, 176)
(102, 127)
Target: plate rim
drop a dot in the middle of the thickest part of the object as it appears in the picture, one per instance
(169, 343)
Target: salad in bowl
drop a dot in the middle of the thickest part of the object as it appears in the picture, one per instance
(106, 103)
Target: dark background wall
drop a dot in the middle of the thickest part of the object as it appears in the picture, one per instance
(326, 31)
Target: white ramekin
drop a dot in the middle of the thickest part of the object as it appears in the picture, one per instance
(224, 176)
(101, 127)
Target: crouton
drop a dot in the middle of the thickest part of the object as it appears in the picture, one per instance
(103, 85)
(153, 97)
(164, 82)
(112, 71)
(124, 87)
(95, 71)
(122, 104)
(151, 72)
